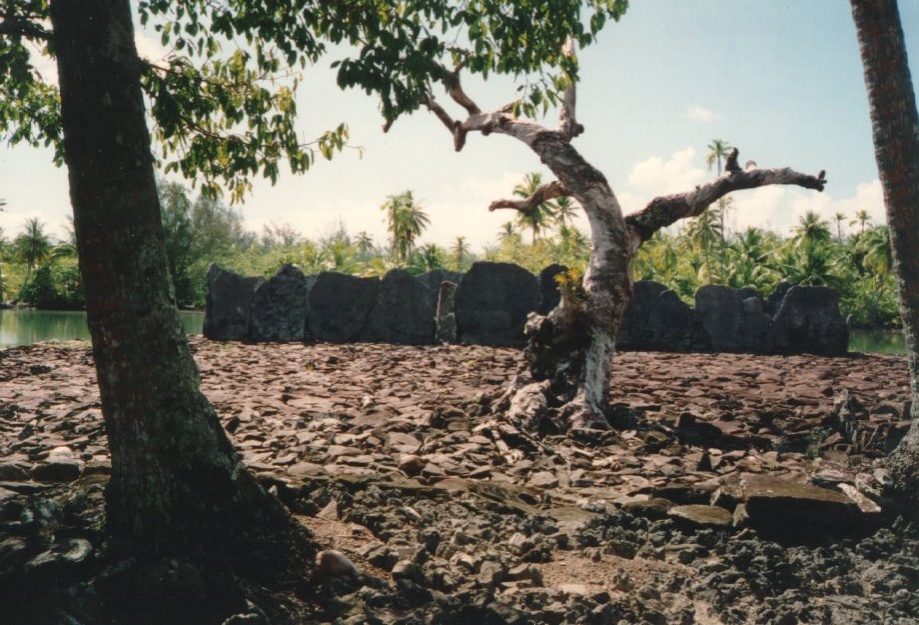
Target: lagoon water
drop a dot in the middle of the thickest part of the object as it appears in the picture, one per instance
(23, 327)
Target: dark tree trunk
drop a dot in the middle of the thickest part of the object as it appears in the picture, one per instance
(177, 483)
(895, 125)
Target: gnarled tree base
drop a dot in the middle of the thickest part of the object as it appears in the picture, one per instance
(559, 388)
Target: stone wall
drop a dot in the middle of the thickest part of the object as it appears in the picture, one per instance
(489, 305)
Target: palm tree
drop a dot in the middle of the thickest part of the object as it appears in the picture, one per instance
(572, 243)
(717, 150)
(839, 218)
(539, 217)
(364, 243)
(878, 255)
(862, 218)
(811, 229)
(749, 253)
(460, 252)
(704, 234)
(565, 210)
(32, 247)
(507, 233)
(808, 263)
(405, 222)
(431, 256)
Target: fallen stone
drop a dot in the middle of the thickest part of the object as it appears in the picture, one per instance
(790, 506)
(332, 563)
(701, 515)
(59, 466)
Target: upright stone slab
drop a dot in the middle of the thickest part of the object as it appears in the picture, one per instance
(339, 306)
(226, 313)
(754, 336)
(492, 304)
(671, 323)
(445, 331)
(635, 332)
(549, 295)
(402, 313)
(432, 279)
(775, 299)
(720, 309)
(809, 321)
(278, 310)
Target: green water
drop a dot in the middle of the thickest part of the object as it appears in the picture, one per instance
(877, 342)
(23, 327)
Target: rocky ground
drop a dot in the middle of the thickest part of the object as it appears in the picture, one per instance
(737, 489)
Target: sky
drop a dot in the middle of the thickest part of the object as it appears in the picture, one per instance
(781, 80)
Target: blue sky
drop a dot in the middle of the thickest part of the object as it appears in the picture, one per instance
(781, 80)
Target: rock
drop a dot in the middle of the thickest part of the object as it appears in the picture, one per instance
(492, 304)
(635, 333)
(864, 504)
(434, 278)
(63, 553)
(720, 309)
(809, 321)
(402, 312)
(549, 295)
(332, 563)
(544, 479)
(792, 507)
(13, 472)
(226, 313)
(753, 336)
(701, 515)
(278, 309)
(412, 465)
(775, 299)
(670, 323)
(490, 573)
(59, 466)
(445, 317)
(406, 569)
(339, 306)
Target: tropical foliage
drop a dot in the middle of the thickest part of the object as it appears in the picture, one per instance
(200, 230)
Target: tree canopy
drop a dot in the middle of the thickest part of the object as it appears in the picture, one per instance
(222, 102)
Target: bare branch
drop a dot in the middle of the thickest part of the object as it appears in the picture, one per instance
(455, 89)
(544, 193)
(453, 125)
(666, 210)
(568, 123)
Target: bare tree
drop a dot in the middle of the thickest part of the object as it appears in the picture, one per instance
(570, 350)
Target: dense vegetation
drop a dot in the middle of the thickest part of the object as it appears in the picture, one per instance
(851, 254)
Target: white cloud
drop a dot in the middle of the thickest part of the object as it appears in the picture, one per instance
(656, 176)
(780, 207)
(701, 114)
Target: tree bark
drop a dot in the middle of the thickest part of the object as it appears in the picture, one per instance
(177, 484)
(895, 126)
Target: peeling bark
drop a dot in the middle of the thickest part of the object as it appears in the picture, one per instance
(570, 350)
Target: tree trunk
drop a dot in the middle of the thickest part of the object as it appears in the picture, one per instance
(895, 126)
(177, 484)
(573, 346)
